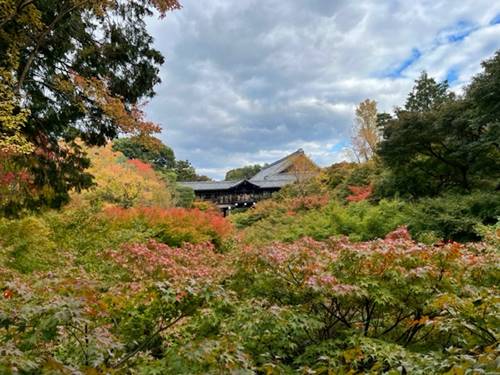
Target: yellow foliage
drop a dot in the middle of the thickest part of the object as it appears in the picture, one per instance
(125, 182)
(12, 141)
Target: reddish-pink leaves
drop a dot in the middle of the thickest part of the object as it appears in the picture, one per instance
(180, 265)
(359, 193)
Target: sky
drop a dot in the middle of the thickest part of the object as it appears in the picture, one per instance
(248, 81)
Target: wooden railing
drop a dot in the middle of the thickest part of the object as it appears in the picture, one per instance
(231, 199)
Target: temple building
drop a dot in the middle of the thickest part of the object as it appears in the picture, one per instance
(227, 195)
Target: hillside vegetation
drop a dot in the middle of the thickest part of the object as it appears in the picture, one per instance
(386, 265)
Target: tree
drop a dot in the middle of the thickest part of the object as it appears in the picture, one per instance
(12, 120)
(186, 172)
(148, 149)
(125, 182)
(484, 96)
(438, 141)
(427, 94)
(243, 173)
(303, 170)
(366, 134)
(79, 69)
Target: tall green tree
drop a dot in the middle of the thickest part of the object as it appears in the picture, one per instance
(81, 69)
(484, 97)
(427, 94)
(439, 142)
(148, 149)
(185, 171)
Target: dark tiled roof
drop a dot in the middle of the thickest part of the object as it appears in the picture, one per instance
(269, 184)
(210, 185)
(270, 177)
(276, 168)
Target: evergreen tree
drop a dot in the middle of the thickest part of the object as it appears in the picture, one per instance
(438, 142)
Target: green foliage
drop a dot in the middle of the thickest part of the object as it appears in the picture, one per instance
(147, 149)
(484, 91)
(243, 173)
(388, 305)
(364, 221)
(439, 142)
(186, 172)
(323, 278)
(427, 94)
(184, 196)
(126, 182)
(87, 87)
(12, 141)
(26, 245)
(105, 295)
(453, 216)
(289, 220)
(340, 177)
(152, 151)
(449, 217)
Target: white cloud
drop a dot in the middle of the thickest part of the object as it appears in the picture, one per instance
(248, 81)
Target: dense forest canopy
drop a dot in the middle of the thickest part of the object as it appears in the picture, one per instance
(440, 141)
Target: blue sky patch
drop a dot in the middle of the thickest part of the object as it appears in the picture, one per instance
(340, 146)
(461, 35)
(495, 20)
(452, 76)
(398, 71)
(457, 32)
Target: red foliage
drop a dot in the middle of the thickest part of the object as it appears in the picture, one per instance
(308, 202)
(140, 165)
(194, 225)
(308, 263)
(400, 233)
(359, 193)
(8, 294)
(180, 265)
(8, 178)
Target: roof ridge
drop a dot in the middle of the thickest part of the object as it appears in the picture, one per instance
(299, 151)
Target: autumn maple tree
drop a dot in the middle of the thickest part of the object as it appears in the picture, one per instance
(72, 69)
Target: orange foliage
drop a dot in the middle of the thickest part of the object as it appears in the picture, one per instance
(128, 120)
(360, 193)
(307, 202)
(164, 6)
(175, 226)
(125, 182)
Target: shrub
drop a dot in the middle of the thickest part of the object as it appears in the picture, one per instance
(274, 208)
(358, 220)
(365, 221)
(191, 262)
(388, 305)
(174, 226)
(340, 178)
(453, 216)
(126, 182)
(26, 244)
(184, 196)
